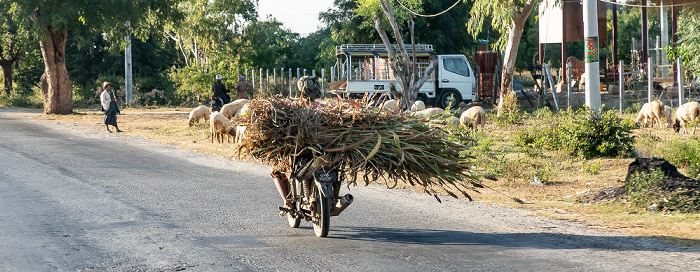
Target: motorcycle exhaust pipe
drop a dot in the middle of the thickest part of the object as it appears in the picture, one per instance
(341, 204)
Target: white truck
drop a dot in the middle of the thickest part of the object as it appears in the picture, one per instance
(365, 69)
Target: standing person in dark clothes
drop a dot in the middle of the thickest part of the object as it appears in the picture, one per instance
(243, 87)
(220, 90)
(110, 107)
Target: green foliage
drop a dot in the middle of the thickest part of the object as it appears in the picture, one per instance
(510, 114)
(643, 188)
(688, 46)
(684, 153)
(584, 133)
(591, 167)
(647, 188)
(594, 134)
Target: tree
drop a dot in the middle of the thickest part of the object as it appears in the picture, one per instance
(15, 39)
(405, 73)
(688, 46)
(508, 17)
(57, 21)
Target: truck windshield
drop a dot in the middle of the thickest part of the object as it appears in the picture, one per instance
(456, 65)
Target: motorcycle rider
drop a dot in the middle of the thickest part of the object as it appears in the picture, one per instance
(220, 90)
(282, 184)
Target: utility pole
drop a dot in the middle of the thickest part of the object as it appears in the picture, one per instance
(129, 81)
(592, 60)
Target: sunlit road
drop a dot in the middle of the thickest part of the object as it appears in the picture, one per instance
(92, 201)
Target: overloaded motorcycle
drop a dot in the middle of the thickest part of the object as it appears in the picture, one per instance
(216, 103)
(314, 189)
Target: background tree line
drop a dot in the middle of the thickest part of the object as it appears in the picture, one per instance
(178, 46)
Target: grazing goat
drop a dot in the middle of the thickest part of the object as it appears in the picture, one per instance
(687, 112)
(473, 117)
(201, 112)
(652, 112)
(229, 110)
(667, 113)
(220, 125)
(427, 113)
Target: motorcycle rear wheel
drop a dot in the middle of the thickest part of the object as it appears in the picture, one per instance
(322, 208)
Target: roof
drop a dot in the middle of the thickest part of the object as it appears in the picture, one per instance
(380, 50)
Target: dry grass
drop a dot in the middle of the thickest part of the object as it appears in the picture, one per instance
(569, 178)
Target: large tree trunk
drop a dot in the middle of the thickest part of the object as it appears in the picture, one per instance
(7, 76)
(511, 53)
(56, 85)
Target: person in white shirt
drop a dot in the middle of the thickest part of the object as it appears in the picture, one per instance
(109, 106)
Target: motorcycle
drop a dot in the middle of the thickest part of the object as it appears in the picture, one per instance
(314, 189)
(216, 103)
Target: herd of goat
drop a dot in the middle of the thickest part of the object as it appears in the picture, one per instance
(652, 114)
(656, 113)
(220, 121)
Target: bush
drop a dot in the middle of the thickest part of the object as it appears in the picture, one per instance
(584, 133)
(598, 134)
(510, 113)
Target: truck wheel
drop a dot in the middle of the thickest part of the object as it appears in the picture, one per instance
(449, 97)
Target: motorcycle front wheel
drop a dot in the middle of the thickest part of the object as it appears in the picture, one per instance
(321, 220)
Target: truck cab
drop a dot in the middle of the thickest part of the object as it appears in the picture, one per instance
(366, 69)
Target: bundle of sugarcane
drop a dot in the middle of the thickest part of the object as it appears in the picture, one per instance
(364, 141)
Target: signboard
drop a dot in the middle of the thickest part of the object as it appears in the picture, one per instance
(591, 50)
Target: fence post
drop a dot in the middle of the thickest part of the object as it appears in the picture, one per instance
(298, 73)
(568, 86)
(267, 78)
(313, 73)
(246, 74)
(252, 77)
(680, 81)
(323, 78)
(261, 86)
(290, 82)
(650, 77)
(281, 80)
(622, 85)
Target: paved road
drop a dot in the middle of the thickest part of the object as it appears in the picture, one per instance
(72, 199)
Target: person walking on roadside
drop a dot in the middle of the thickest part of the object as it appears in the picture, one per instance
(109, 106)
(242, 87)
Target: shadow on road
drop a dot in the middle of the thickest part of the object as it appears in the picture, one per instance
(539, 240)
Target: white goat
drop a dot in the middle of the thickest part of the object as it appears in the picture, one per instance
(473, 117)
(427, 113)
(419, 105)
(243, 111)
(240, 133)
(687, 112)
(201, 112)
(667, 114)
(391, 105)
(220, 125)
(229, 110)
(652, 112)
